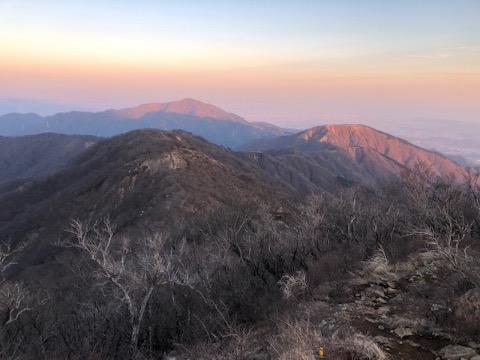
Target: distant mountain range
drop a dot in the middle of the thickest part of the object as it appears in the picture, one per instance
(202, 119)
(458, 140)
(319, 157)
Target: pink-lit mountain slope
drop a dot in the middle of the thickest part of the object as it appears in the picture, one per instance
(357, 152)
(206, 120)
(186, 107)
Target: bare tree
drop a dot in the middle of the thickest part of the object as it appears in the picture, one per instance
(13, 302)
(6, 251)
(448, 228)
(132, 267)
(13, 296)
(416, 185)
(472, 185)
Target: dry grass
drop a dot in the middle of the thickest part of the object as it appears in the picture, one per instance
(293, 285)
(378, 266)
(299, 339)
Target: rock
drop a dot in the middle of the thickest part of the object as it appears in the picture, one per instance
(474, 345)
(382, 310)
(418, 328)
(379, 293)
(320, 295)
(401, 332)
(391, 284)
(413, 344)
(392, 291)
(456, 352)
(382, 340)
(476, 357)
(375, 290)
(381, 300)
(381, 327)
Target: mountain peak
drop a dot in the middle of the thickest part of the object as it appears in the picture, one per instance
(354, 135)
(187, 106)
(376, 151)
(341, 134)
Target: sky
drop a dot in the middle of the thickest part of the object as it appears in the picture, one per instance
(293, 63)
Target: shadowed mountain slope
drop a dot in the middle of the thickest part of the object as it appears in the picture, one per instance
(153, 176)
(202, 119)
(145, 176)
(38, 155)
(356, 152)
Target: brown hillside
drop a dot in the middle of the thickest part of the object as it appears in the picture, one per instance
(145, 176)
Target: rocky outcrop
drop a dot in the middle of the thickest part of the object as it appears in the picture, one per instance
(384, 306)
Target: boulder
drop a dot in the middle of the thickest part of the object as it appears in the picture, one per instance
(383, 310)
(401, 332)
(381, 300)
(456, 352)
(474, 345)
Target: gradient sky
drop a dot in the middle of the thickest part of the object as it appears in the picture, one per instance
(293, 63)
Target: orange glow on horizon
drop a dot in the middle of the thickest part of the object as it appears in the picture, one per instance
(348, 81)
